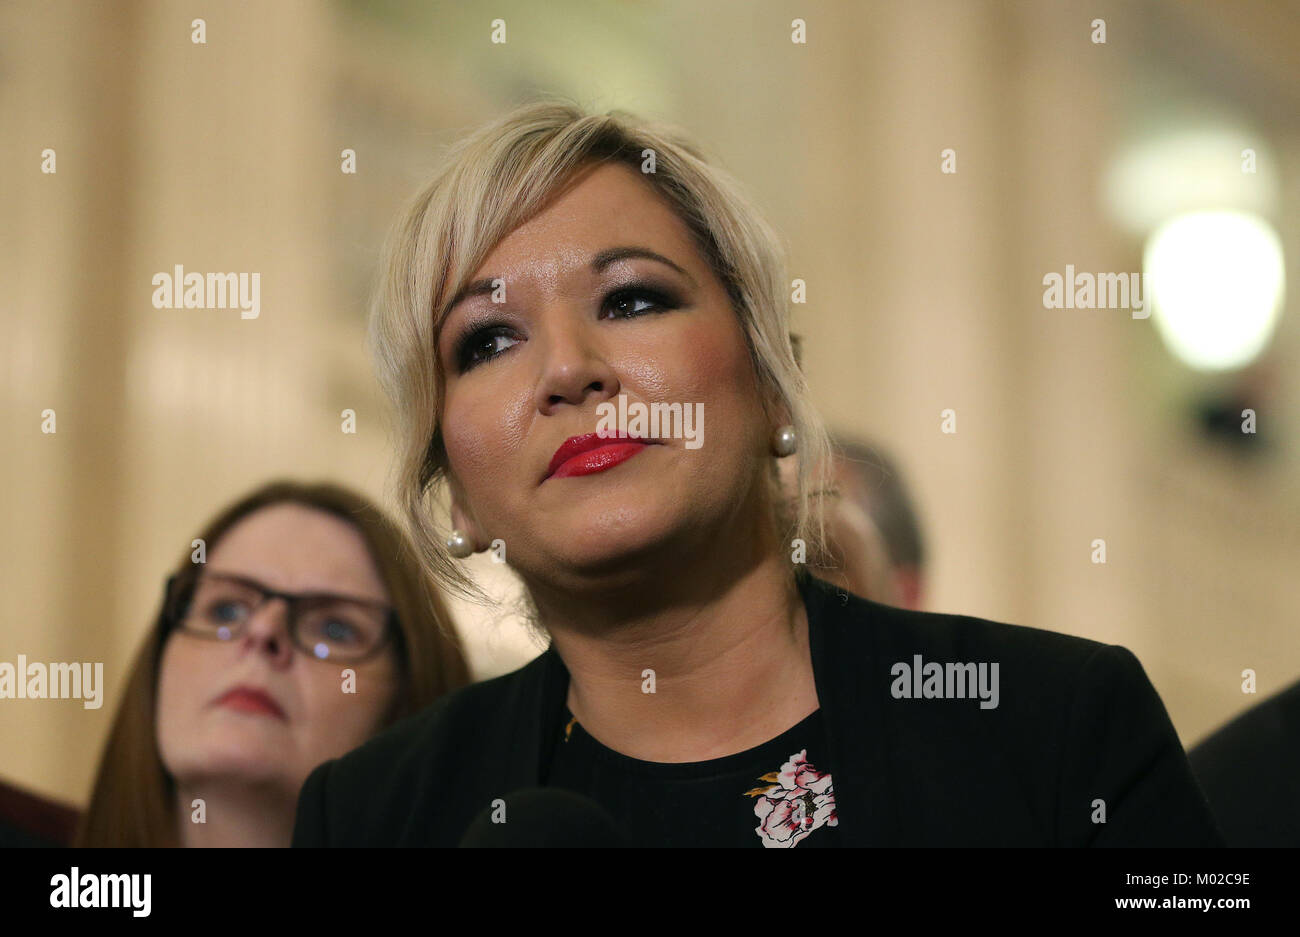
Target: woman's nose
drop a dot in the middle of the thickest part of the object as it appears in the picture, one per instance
(574, 363)
(268, 629)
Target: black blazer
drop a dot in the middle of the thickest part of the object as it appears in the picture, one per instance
(1076, 722)
(1250, 769)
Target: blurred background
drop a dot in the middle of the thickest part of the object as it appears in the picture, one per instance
(1170, 148)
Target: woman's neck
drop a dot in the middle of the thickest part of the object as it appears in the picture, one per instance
(234, 815)
(700, 665)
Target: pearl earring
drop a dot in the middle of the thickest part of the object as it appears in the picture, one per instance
(458, 545)
(784, 442)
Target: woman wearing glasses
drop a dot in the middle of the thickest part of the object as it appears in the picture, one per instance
(300, 628)
(565, 271)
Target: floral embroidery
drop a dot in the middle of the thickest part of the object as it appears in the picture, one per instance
(795, 801)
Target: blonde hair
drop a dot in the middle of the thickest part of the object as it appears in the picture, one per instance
(496, 179)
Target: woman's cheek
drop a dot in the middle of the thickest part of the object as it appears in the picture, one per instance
(471, 433)
(346, 708)
(484, 452)
(180, 686)
(710, 354)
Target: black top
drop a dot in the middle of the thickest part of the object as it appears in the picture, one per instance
(1074, 749)
(1250, 769)
(778, 794)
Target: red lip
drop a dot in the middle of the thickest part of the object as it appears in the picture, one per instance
(252, 700)
(598, 453)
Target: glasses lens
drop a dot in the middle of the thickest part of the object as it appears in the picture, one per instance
(220, 607)
(336, 629)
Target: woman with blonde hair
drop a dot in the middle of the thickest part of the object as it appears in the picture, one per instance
(301, 626)
(563, 279)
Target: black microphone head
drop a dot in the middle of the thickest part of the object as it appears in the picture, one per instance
(547, 817)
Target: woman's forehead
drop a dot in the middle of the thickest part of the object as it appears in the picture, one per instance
(611, 205)
(298, 548)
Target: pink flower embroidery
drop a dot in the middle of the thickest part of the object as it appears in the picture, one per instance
(795, 801)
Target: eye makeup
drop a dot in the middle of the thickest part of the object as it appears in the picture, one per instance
(630, 300)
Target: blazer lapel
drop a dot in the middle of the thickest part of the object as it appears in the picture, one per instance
(535, 717)
(842, 644)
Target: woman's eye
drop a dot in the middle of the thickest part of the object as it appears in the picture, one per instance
(226, 612)
(636, 302)
(483, 345)
(337, 630)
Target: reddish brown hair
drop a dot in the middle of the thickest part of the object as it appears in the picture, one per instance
(133, 799)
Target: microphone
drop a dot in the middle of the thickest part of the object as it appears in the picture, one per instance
(543, 817)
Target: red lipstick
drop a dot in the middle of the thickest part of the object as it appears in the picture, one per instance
(592, 452)
(251, 700)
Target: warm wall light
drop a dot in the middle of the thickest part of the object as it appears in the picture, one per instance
(1215, 283)
(1175, 168)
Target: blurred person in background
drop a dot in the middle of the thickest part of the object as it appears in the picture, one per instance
(1250, 771)
(874, 543)
(308, 629)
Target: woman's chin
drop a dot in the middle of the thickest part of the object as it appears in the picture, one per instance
(608, 549)
(235, 766)
(255, 755)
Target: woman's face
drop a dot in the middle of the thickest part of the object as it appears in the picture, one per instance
(527, 374)
(202, 738)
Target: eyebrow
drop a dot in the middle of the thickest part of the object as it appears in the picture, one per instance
(599, 262)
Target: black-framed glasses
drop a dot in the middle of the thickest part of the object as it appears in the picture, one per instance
(324, 626)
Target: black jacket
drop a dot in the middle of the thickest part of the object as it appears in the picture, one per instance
(1250, 769)
(1077, 722)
